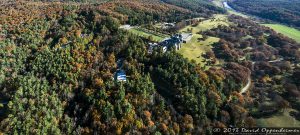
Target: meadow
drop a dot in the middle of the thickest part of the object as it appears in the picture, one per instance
(285, 30)
(146, 34)
(279, 120)
(194, 49)
(208, 24)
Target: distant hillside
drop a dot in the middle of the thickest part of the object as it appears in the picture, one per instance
(141, 11)
(69, 0)
(283, 11)
(126, 11)
(200, 6)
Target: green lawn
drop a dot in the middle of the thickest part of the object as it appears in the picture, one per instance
(194, 49)
(285, 30)
(208, 24)
(144, 34)
(279, 120)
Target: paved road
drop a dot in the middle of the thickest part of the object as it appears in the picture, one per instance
(244, 89)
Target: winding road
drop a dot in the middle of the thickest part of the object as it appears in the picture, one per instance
(244, 89)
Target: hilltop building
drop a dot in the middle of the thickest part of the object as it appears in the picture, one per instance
(186, 37)
(152, 46)
(167, 25)
(174, 41)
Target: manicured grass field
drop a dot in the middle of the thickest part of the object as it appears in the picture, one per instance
(285, 30)
(279, 120)
(144, 34)
(194, 49)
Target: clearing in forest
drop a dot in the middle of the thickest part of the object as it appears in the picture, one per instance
(194, 49)
(285, 30)
(157, 37)
(279, 120)
(208, 24)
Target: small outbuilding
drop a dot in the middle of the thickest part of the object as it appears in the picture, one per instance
(120, 76)
(186, 37)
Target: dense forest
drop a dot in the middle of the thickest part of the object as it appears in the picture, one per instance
(283, 11)
(57, 66)
(58, 62)
(203, 7)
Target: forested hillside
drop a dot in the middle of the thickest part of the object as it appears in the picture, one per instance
(204, 7)
(283, 11)
(273, 60)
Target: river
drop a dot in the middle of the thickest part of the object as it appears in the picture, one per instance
(225, 4)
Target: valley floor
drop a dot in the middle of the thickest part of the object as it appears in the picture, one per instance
(285, 30)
